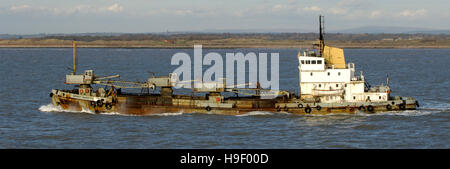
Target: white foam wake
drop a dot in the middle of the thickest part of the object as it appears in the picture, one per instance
(49, 108)
(255, 113)
(418, 112)
(52, 108)
(168, 114)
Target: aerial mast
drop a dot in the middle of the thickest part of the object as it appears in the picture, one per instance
(321, 40)
(74, 45)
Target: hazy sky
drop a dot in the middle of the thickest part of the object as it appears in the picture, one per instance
(80, 16)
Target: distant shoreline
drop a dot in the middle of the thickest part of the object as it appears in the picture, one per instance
(230, 46)
(228, 41)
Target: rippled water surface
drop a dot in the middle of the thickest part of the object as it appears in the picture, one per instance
(27, 120)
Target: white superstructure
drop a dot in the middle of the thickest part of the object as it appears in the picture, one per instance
(320, 80)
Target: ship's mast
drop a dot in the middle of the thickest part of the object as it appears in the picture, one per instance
(74, 45)
(321, 30)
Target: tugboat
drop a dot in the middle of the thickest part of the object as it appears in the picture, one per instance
(327, 85)
(326, 81)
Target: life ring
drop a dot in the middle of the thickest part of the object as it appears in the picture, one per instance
(318, 107)
(308, 110)
(92, 103)
(99, 103)
(208, 108)
(402, 106)
(389, 107)
(108, 106)
(300, 105)
(370, 108)
(362, 108)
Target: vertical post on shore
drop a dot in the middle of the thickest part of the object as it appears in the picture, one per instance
(74, 45)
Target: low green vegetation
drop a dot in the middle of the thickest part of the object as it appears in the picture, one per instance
(241, 40)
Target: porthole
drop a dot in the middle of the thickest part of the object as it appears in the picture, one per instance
(328, 73)
(311, 73)
(339, 73)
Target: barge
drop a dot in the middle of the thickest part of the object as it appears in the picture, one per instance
(327, 85)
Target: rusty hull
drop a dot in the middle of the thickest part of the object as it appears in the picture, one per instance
(123, 105)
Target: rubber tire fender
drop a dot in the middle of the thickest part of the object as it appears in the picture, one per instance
(208, 108)
(308, 110)
(318, 107)
(362, 108)
(99, 103)
(370, 108)
(389, 107)
(108, 106)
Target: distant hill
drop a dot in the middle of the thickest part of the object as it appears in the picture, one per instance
(354, 31)
(284, 30)
(392, 30)
(359, 30)
(43, 35)
(433, 32)
(363, 34)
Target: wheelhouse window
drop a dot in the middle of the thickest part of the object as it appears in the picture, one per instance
(319, 61)
(303, 61)
(308, 62)
(313, 61)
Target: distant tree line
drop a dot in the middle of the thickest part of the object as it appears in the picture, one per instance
(264, 36)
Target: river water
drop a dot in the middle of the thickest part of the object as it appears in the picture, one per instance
(28, 120)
